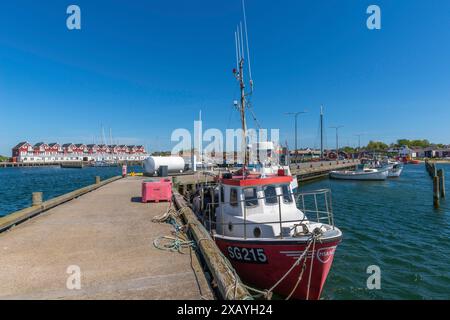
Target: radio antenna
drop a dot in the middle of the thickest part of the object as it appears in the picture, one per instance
(237, 52)
(246, 42)
(239, 43)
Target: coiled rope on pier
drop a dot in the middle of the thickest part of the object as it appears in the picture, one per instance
(178, 241)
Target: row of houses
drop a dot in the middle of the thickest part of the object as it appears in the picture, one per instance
(430, 152)
(55, 152)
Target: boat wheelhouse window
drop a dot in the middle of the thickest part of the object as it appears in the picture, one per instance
(287, 196)
(251, 197)
(270, 194)
(233, 197)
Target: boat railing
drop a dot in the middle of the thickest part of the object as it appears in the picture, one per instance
(316, 206)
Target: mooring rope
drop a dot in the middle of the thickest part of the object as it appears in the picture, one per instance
(267, 294)
(179, 240)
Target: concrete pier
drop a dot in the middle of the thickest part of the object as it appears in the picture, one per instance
(108, 234)
(316, 170)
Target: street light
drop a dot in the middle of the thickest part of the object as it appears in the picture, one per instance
(295, 114)
(337, 139)
(359, 139)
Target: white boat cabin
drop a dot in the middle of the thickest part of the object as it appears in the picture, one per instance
(255, 206)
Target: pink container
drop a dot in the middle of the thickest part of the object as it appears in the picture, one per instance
(156, 190)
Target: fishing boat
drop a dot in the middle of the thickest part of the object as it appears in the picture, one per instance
(274, 246)
(396, 170)
(270, 242)
(362, 172)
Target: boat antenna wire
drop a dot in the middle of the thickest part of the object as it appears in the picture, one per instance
(254, 118)
(242, 40)
(246, 42)
(238, 45)
(237, 52)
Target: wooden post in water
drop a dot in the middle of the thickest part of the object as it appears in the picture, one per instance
(441, 175)
(36, 198)
(97, 179)
(436, 191)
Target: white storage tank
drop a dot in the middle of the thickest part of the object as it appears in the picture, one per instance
(174, 164)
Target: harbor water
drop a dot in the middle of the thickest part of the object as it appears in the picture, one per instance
(17, 184)
(391, 224)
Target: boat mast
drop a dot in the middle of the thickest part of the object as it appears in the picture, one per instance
(242, 110)
(239, 74)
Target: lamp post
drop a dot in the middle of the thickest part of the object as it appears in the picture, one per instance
(337, 139)
(295, 114)
(359, 135)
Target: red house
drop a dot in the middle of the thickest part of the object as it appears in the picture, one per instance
(140, 149)
(80, 148)
(114, 148)
(92, 148)
(103, 148)
(54, 148)
(68, 148)
(123, 148)
(22, 149)
(40, 149)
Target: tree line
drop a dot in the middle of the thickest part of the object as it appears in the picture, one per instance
(381, 146)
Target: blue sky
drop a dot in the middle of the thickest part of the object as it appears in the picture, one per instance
(145, 68)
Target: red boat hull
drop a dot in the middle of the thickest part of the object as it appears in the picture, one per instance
(263, 263)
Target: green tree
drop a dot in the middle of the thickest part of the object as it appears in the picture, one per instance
(413, 143)
(403, 142)
(377, 146)
(348, 150)
(420, 143)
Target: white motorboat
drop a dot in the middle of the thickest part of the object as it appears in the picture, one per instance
(361, 173)
(396, 170)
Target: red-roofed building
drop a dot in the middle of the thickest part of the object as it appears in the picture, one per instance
(54, 152)
(21, 150)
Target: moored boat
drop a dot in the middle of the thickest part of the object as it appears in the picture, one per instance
(396, 170)
(270, 242)
(274, 246)
(361, 173)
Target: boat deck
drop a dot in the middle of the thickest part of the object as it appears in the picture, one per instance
(108, 233)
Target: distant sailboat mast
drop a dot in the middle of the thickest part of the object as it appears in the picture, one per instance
(103, 135)
(321, 132)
